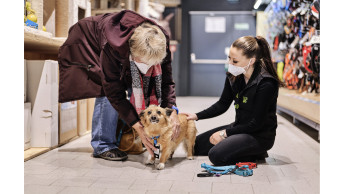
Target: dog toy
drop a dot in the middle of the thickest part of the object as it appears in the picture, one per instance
(31, 18)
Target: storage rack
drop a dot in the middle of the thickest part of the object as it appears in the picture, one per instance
(293, 26)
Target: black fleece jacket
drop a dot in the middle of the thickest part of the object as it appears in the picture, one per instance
(255, 104)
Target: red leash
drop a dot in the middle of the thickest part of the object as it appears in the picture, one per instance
(250, 164)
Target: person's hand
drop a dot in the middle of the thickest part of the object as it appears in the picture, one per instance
(144, 139)
(175, 125)
(191, 116)
(216, 138)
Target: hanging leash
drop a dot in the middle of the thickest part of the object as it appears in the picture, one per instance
(241, 169)
(120, 133)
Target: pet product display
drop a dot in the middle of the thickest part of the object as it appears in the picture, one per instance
(294, 35)
(30, 19)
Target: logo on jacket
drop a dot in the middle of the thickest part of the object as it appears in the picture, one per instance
(245, 99)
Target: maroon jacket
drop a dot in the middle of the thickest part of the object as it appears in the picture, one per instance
(94, 62)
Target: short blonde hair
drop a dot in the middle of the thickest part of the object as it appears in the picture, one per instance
(148, 43)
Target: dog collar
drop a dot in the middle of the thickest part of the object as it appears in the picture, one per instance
(155, 139)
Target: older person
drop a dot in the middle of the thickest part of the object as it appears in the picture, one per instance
(104, 56)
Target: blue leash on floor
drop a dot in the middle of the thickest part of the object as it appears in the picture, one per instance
(221, 170)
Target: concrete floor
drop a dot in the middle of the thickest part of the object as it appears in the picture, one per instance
(293, 166)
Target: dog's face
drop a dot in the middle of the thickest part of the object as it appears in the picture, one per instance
(155, 118)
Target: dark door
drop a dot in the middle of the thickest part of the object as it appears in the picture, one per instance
(211, 36)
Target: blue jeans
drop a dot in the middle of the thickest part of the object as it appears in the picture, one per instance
(104, 124)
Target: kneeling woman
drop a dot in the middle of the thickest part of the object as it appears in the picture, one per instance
(252, 84)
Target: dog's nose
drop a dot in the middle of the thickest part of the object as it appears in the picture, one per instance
(153, 117)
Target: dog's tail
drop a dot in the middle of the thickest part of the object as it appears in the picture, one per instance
(191, 126)
(189, 142)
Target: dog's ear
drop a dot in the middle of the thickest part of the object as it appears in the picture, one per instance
(142, 117)
(168, 111)
(141, 114)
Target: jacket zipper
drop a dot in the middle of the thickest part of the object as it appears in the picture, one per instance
(244, 89)
(83, 65)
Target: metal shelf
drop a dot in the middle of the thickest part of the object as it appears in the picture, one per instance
(296, 117)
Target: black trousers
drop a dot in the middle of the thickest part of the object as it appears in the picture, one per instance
(233, 149)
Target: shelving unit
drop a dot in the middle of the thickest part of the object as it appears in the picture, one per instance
(303, 107)
(103, 11)
(41, 45)
(41, 42)
(293, 32)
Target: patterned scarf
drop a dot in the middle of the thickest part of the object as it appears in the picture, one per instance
(146, 89)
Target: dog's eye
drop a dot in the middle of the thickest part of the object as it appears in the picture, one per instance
(149, 112)
(159, 112)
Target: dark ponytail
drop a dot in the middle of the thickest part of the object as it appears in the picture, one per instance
(264, 58)
(259, 48)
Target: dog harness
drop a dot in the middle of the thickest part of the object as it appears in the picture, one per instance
(239, 169)
(156, 153)
(155, 139)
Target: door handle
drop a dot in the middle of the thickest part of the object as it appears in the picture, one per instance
(206, 61)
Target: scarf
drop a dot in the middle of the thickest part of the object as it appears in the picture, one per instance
(146, 89)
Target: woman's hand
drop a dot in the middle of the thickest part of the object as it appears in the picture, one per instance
(144, 139)
(175, 125)
(216, 137)
(191, 116)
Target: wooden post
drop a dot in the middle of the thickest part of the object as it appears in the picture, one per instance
(130, 5)
(62, 18)
(104, 4)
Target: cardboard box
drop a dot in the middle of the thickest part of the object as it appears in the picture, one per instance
(27, 125)
(90, 108)
(67, 121)
(25, 80)
(82, 117)
(42, 92)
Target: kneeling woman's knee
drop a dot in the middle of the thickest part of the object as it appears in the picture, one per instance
(216, 157)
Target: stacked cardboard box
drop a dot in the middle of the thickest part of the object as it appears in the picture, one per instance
(90, 108)
(42, 93)
(82, 117)
(67, 121)
(27, 125)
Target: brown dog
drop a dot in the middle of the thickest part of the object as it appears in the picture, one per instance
(157, 123)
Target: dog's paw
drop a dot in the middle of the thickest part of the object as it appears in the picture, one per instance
(149, 162)
(160, 166)
(190, 158)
